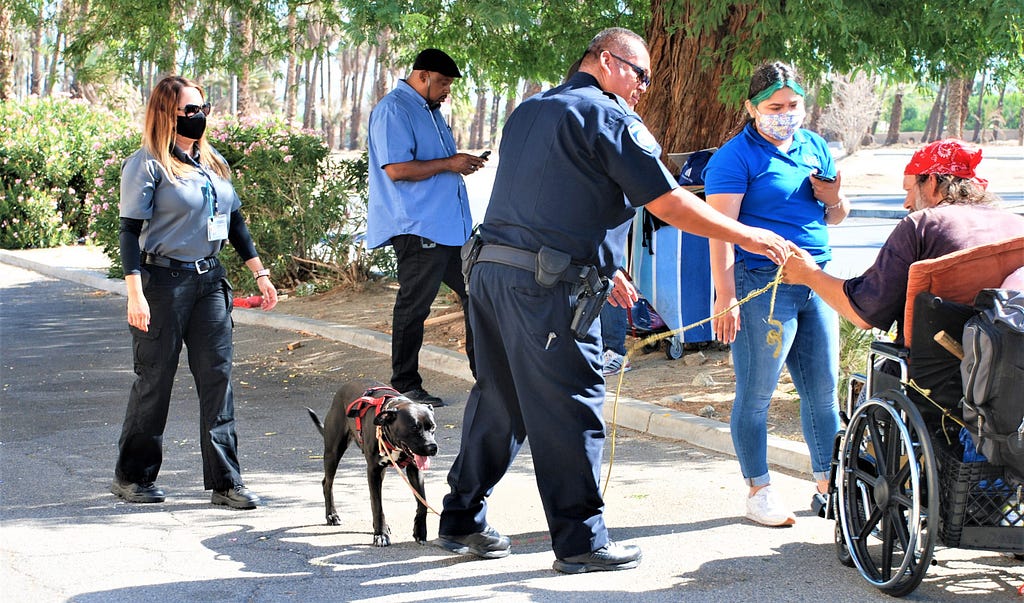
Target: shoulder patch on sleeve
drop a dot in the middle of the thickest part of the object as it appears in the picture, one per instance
(642, 136)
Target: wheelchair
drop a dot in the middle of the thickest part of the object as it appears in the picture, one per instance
(899, 485)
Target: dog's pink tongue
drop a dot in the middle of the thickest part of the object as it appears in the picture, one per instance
(422, 462)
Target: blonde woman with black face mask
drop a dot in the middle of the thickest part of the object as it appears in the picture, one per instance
(178, 208)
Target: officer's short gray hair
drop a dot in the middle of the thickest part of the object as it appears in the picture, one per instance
(615, 39)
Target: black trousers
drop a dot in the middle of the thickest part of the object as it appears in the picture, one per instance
(535, 380)
(194, 309)
(422, 267)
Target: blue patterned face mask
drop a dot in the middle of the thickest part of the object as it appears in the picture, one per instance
(780, 126)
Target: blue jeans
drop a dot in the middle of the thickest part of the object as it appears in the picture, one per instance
(810, 350)
(614, 323)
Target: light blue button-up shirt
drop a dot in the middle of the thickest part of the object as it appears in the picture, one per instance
(403, 128)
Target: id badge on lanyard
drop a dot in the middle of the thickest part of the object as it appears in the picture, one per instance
(217, 224)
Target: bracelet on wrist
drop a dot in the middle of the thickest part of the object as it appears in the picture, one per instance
(829, 208)
(265, 272)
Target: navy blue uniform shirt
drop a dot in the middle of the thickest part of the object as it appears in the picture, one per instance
(575, 161)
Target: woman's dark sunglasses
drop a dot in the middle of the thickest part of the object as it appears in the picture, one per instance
(641, 73)
(190, 110)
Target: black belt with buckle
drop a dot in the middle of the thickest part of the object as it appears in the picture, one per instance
(200, 266)
(526, 260)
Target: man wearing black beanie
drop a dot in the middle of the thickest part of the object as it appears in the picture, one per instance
(419, 205)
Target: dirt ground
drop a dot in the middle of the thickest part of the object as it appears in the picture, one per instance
(700, 383)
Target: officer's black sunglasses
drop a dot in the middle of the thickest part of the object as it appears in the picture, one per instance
(641, 73)
(190, 110)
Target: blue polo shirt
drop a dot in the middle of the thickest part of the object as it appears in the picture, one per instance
(776, 189)
(575, 161)
(403, 128)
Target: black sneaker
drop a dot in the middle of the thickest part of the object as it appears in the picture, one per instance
(420, 395)
(488, 544)
(137, 493)
(610, 557)
(238, 497)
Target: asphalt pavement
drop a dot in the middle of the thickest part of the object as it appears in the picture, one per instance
(66, 360)
(673, 488)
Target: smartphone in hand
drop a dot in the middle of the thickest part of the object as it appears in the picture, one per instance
(485, 155)
(823, 177)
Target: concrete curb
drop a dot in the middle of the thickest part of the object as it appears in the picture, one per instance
(627, 412)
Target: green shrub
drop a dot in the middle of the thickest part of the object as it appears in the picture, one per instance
(304, 208)
(48, 157)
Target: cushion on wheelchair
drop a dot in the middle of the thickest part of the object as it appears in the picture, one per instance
(958, 276)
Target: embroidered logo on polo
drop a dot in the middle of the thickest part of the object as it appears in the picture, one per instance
(642, 136)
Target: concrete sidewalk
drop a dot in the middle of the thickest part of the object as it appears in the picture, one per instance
(86, 265)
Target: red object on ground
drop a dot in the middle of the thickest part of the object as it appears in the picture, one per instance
(253, 301)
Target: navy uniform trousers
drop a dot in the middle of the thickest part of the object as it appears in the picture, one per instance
(554, 396)
(194, 309)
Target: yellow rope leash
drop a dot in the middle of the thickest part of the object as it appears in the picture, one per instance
(774, 338)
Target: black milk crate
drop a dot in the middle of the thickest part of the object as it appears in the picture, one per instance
(979, 509)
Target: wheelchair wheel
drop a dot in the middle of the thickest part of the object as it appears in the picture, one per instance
(888, 493)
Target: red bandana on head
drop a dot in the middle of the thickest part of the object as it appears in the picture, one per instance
(948, 156)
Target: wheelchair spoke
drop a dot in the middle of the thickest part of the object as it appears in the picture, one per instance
(899, 525)
(878, 441)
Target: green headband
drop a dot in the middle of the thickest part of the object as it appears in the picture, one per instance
(770, 90)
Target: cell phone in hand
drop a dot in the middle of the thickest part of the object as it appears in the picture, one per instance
(485, 155)
(823, 177)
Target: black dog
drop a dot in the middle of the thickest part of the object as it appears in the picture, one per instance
(407, 431)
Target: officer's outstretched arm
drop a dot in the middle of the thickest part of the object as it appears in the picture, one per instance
(684, 210)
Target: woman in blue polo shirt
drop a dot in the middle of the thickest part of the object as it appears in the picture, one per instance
(767, 176)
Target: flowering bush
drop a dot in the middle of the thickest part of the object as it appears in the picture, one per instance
(48, 155)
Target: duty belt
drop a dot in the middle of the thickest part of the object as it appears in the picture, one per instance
(200, 266)
(526, 260)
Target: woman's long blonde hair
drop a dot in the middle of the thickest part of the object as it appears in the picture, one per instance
(159, 130)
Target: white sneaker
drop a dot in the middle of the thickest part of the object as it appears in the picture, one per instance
(614, 363)
(765, 508)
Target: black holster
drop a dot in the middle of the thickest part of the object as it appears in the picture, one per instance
(470, 252)
(589, 297)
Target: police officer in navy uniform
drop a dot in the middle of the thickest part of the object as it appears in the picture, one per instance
(569, 159)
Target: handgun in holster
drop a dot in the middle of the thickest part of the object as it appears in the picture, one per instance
(469, 253)
(589, 296)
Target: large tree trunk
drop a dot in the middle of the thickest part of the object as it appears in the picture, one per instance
(683, 111)
(6, 52)
(895, 118)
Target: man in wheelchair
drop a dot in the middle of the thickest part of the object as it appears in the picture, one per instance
(950, 210)
(955, 241)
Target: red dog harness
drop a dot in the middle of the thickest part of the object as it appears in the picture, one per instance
(376, 397)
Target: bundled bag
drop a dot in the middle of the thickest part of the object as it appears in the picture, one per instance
(643, 320)
(993, 373)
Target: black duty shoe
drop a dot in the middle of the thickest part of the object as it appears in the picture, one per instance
(137, 493)
(610, 557)
(420, 395)
(488, 544)
(237, 497)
